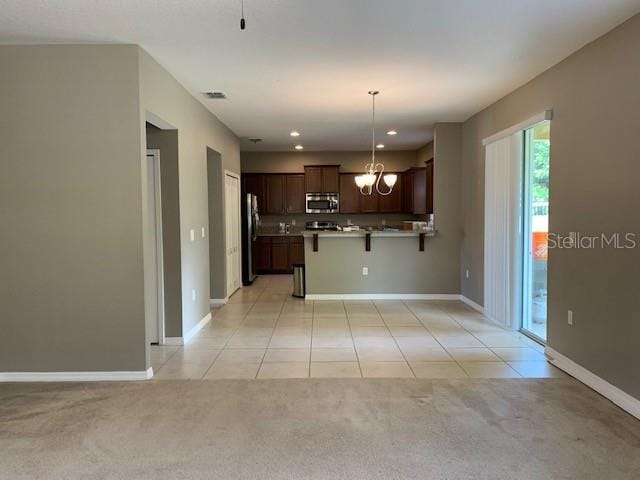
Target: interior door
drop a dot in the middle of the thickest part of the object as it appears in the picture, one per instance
(232, 222)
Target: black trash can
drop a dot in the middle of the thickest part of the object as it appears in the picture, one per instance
(298, 280)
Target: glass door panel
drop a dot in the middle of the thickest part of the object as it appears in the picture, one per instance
(536, 230)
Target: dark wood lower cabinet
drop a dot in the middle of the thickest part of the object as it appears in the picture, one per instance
(262, 254)
(296, 251)
(277, 254)
(280, 254)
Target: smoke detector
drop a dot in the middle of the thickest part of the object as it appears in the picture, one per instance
(215, 95)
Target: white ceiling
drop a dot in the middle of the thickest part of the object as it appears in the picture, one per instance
(308, 64)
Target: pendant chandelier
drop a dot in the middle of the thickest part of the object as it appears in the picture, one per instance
(374, 171)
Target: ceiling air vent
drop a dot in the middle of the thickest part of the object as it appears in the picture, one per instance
(215, 95)
(254, 140)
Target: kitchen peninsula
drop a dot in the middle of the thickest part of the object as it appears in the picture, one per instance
(363, 264)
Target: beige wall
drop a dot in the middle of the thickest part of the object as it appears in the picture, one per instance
(594, 176)
(71, 265)
(198, 129)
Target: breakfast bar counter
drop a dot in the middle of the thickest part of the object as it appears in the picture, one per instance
(368, 264)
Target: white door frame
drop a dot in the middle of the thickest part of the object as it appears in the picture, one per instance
(155, 153)
(235, 175)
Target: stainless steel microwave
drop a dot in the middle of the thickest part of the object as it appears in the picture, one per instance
(322, 203)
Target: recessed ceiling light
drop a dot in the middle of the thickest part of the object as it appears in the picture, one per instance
(380, 145)
(298, 147)
(392, 132)
(295, 134)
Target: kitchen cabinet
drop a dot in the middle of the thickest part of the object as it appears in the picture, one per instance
(295, 194)
(420, 191)
(255, 183)
(322, 179)
(296, 251)
(391, 203)
(262, 254)
(370, 203)
(278, 253)
(349, 194)
(429, 181)
(280, 262)
(275, 194)
(414, 191)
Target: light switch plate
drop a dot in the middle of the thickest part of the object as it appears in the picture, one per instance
(203, 233)
(192, 234)
(365, 270)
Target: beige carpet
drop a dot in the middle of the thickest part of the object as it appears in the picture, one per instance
(316, 429)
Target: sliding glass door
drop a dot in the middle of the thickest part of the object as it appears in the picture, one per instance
(536, 229)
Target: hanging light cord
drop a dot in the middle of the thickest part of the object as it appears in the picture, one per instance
(242, 20)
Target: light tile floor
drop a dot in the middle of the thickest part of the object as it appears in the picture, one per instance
(264, 332)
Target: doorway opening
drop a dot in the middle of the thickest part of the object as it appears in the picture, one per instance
(156, 330)
(535, 217)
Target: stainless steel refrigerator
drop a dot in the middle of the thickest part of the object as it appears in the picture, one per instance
(250, 220)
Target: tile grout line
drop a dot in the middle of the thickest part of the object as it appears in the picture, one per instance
(353, 340)
(269, 342)
(394, 338)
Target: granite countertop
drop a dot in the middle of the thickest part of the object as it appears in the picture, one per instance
(374, 233)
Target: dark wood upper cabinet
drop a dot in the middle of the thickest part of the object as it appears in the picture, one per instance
(407, 191)
(255, 183)
(391, 203)
(275, 194)
(420, 191)
(430, 186)
(330, 179)
(313, 179)
(295, 190)
(369, 203)
(349, 194)
(322, 179)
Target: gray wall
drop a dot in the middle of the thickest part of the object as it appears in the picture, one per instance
(167, 142)
(593, 188)
(163, 96)
(71, 265)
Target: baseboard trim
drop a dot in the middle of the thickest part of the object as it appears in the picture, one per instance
(384, 296)
(472, 304)
(188, 336)
(622, 399)
(215, 302)
(76, 376)
(173, 341)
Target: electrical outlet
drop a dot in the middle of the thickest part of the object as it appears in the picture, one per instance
(384, 222)
(349, 221)
(203, 233)
(193, 295)
(293, 222)
(365, 270)
(192, 234)
(466, 273)
(570, 317)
